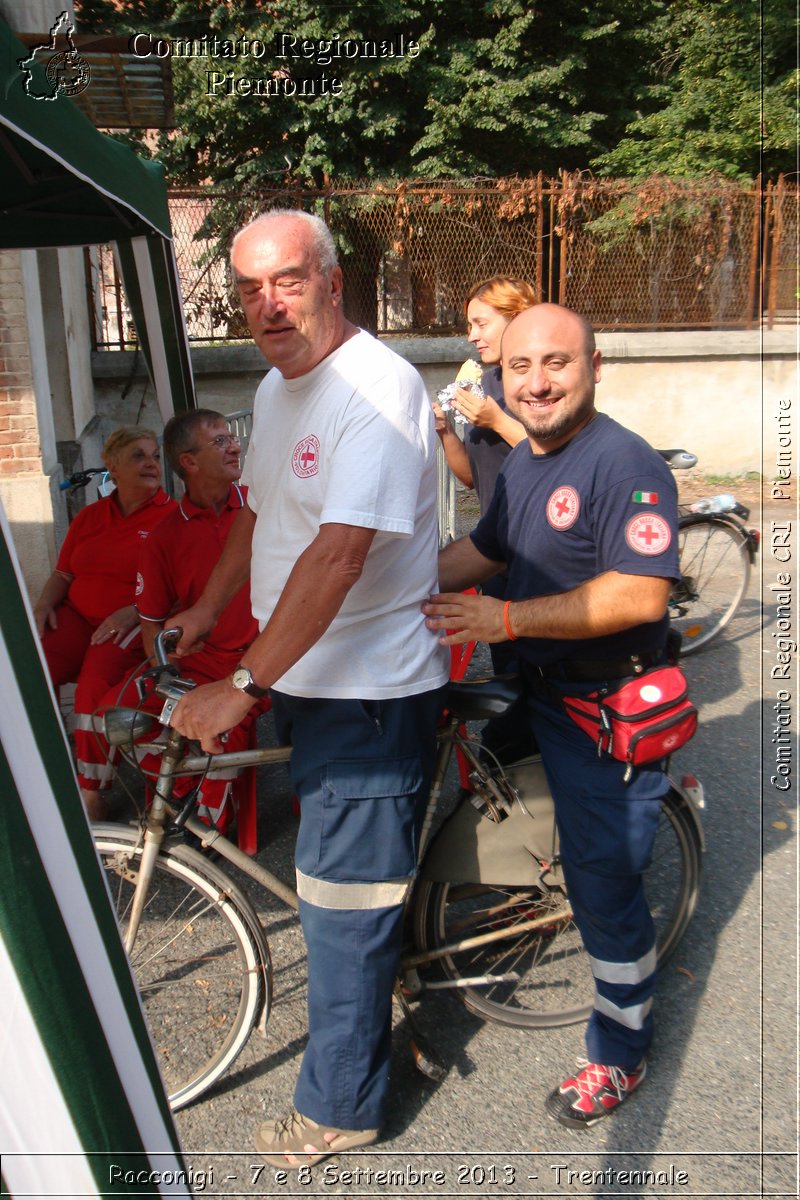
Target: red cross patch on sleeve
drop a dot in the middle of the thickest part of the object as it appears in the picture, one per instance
(648, 534)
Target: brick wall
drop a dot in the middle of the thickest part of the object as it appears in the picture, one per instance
(20, 452)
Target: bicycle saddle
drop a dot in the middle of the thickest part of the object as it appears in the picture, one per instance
(679, 460)
(479, 699)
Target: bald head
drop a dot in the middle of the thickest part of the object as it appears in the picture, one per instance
(290, 287)
(556, 317)
(310, 227)
(550, 368)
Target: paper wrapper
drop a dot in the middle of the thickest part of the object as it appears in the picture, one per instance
(468, 377)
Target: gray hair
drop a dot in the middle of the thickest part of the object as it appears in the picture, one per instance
(180, 432)
(321, 236)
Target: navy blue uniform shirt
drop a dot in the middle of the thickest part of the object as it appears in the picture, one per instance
(604, 501)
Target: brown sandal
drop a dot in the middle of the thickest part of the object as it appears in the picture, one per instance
(298, 1141)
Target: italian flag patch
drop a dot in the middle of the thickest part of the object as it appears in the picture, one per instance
(645, 497)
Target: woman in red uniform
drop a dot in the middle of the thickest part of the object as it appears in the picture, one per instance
(85, 614)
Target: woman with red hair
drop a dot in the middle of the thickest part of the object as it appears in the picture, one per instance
(490, 436)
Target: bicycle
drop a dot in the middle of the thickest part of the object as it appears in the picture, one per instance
(716, 552)
(488, 909)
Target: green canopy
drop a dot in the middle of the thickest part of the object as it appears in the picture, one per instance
(81, 1101)
(65, 184)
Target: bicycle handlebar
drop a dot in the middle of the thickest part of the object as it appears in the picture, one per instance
(80, 478)
(165, 642)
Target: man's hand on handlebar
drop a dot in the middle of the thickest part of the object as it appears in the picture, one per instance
(205, 713)
(196, 623)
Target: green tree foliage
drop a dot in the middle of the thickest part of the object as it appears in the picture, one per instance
(515, 88)
(498, 87)
(723, 96)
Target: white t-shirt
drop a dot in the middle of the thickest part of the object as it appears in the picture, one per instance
(351, 442)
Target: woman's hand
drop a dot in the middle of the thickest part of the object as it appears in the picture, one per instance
(116, 626)
(44, 615)
(53, 594)
(482, 411)
(486, 413)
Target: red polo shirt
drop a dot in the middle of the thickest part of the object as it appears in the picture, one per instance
(174, 569)
(102, 549)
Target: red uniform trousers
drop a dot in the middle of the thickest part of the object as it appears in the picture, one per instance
(100, 672)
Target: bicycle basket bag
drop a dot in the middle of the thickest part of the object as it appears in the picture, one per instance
(640, 722)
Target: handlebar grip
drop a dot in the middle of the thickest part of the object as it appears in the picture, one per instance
(80, 478)
(165, 643)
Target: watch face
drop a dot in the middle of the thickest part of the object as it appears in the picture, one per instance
(241, 678)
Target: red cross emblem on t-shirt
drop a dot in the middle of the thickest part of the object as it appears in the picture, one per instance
(305, 457)
(648, 534)
(563, 507)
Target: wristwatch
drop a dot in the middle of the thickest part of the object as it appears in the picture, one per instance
(243, 680)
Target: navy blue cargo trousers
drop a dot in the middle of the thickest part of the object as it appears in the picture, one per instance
(361, 770)
(607, 829)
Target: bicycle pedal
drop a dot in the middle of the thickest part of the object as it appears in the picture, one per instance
(411, 985)
(427, 1063)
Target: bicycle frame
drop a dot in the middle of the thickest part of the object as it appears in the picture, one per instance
(487, 909)
(508, 847)
(475, 834)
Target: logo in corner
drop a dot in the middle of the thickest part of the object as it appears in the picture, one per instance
(66, 72)
(305, 457)
(563, 507)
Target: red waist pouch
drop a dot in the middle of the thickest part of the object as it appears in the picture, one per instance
(642, 721)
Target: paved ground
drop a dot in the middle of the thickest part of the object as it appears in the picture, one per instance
(716, 1116)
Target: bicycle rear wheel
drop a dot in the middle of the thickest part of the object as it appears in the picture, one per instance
(203, 977)
(715, 571)
(554, 983)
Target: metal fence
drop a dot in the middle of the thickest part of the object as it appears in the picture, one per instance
(661, 254)
(781, 242)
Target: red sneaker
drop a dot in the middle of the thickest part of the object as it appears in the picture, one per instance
(592, 1093)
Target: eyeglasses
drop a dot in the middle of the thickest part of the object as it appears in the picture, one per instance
(221, 441)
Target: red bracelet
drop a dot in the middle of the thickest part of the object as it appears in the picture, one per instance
(512, 637)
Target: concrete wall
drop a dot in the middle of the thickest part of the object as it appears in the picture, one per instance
(729, 397)
(705, 392)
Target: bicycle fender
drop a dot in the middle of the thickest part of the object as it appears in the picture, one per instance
(472, 848)
(748, 536)
(190, 855)
(692, 798)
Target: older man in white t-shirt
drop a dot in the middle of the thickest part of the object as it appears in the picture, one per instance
(340, 539)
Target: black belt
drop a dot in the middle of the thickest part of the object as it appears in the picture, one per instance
(574, 670)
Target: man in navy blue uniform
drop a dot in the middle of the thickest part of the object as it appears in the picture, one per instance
(584, 520)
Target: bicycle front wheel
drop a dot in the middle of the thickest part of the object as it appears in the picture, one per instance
(715, 571)
(540, 977)
(202, 975)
